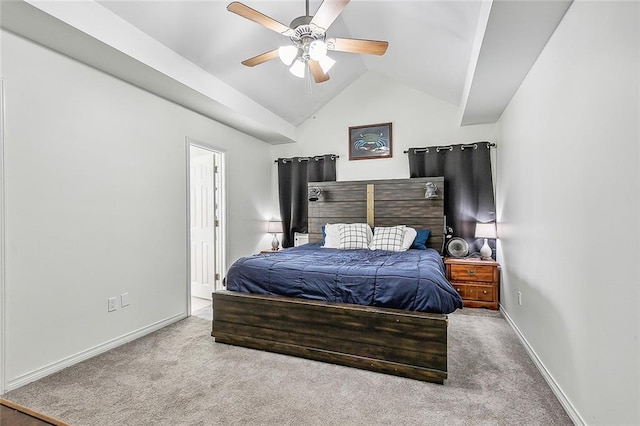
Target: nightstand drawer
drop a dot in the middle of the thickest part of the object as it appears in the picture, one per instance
(465, 291)
(474, 292)
(485, 294)
(472, 272)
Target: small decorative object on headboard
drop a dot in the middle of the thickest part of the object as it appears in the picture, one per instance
(314, 193)
(431, 190)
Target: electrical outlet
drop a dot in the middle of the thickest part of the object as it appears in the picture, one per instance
(112, 304)
(124, 299)
(520, 298)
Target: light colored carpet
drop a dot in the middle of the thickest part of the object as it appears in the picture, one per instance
(205, 313)
(180, 376)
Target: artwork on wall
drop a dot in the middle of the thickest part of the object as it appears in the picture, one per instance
(370, 141)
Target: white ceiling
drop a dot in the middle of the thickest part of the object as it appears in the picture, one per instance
(462, 52)
(429, 46)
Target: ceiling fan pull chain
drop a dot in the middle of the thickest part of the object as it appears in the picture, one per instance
(309, 85)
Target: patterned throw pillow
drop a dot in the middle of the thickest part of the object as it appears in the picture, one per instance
(353, 236)
(387, 238)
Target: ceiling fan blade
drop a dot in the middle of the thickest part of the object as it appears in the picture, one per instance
(264, 57)
(319, 76)
(352, 45)
(255, 16)
(328, 12)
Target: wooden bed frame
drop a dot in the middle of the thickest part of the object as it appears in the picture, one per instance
(403, 343)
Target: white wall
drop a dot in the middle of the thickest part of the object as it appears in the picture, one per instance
(96, 206)
(418, 120)
(568, 207)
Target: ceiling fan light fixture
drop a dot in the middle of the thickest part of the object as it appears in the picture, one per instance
(317, 50)
(326, 63)
(297, 68)
(287, 54)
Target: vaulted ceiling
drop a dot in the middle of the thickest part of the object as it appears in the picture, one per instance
(469, 53)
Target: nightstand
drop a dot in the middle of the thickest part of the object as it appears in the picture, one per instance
(268, 251)
(477, 281)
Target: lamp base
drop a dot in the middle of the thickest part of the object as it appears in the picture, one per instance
(275, 244)
(486, 251)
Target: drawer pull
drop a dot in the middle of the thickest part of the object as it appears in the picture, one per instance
(471, 272)
(484, 291)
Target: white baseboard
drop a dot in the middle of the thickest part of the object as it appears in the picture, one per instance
(89, 353)
(564, 401)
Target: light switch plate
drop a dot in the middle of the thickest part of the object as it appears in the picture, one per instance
(111, 304)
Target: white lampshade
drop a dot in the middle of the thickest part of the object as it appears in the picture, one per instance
(287, 54)
(297, 68)
(486, 230)
(275, 226)
(326, 63)
(317, 50)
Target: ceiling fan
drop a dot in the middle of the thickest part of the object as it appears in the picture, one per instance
(309, 39)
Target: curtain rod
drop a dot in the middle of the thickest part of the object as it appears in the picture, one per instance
(450, 147)
(300, 159)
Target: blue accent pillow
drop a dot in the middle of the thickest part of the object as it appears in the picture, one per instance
(420, 242)
(324, 235)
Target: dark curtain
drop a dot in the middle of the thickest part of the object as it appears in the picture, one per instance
(468, 184)
(293, 176)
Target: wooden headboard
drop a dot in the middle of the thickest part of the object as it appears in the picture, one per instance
(393, 202)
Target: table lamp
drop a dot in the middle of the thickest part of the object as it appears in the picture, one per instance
(486, 230)
(275, 227)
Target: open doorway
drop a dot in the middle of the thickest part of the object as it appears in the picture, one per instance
(206, 241)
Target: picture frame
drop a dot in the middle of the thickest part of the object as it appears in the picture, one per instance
(370, 141)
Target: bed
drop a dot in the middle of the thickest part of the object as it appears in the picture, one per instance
(280, 303)
(413, 280)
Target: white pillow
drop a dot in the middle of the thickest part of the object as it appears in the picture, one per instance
(410, 234)
(332, 234)
(353, 236)
(388, 238)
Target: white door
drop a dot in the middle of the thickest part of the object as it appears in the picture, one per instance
(203, 222)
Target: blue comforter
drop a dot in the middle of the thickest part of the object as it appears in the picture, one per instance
(412, 280)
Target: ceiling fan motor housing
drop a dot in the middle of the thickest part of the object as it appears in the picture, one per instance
(304, 33)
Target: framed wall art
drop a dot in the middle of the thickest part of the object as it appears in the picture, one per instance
(370, 141)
